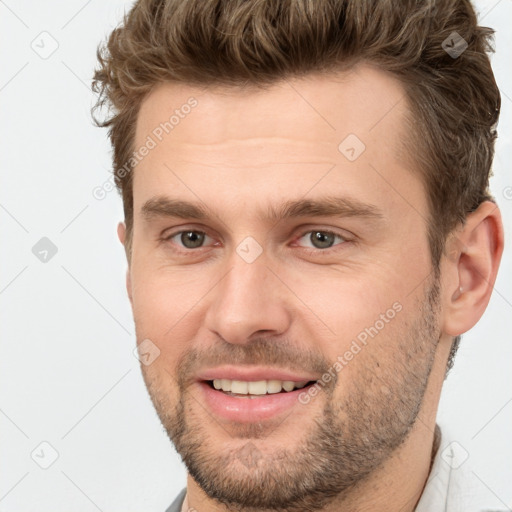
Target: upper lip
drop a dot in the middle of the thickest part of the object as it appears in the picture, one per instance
(253, 373)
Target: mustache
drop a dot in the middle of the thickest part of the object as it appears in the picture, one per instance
(262, 351)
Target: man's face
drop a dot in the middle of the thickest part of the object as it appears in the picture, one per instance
(310, 258)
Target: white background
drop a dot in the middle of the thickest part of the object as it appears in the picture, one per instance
(68, 374)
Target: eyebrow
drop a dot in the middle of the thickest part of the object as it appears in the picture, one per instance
(329, 206)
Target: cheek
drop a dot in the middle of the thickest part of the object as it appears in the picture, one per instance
(166, 303)
(369, 354)
(167, 311)
(349, 302)
(162, 387)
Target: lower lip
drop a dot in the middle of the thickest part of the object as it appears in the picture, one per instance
(250, 410)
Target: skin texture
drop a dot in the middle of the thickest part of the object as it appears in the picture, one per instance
(365, 440)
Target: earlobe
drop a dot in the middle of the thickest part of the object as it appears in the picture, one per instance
(129, 285)
(121, 232)
(473, 268)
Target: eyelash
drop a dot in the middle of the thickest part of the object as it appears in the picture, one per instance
(328, 250)
(309, 250)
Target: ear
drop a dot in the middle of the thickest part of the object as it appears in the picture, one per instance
(121, 234)
(471, 262)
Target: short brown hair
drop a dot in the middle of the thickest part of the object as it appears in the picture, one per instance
(454, 99)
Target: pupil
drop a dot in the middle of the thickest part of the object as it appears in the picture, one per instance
(322, 240)
(192, 239)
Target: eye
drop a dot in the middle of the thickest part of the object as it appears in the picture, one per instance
(189, 239)
(321, 239)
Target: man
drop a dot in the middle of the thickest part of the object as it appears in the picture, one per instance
(309, 231)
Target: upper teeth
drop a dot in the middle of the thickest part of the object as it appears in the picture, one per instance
(260, 387)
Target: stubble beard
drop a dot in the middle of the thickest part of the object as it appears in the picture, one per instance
(344, 444)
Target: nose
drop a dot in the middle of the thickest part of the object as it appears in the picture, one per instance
(249, 301)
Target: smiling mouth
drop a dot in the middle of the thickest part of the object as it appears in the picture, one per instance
(255, 389)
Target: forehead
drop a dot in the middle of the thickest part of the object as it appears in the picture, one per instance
(318, 108)
(273, 139)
